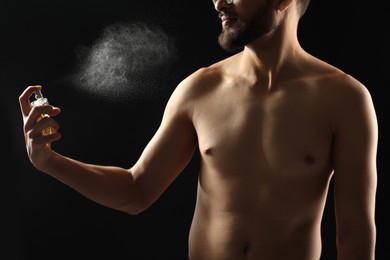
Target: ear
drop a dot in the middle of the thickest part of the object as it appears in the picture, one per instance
(284, 4)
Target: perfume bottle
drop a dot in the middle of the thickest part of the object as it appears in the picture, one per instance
(41, 101)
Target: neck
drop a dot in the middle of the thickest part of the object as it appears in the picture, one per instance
(272, 55)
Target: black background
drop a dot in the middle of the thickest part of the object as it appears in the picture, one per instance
(44, 219)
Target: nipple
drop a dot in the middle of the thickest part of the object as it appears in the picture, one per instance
(207, 151)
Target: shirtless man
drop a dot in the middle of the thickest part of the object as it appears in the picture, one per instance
(273, 125)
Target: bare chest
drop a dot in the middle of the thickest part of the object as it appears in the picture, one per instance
(275, 132)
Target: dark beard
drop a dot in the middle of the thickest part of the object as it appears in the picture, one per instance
(235, 38)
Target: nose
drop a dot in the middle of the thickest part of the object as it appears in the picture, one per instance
(227, 1)
(220, 4)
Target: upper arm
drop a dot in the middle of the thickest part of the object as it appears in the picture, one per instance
(355, 173)
(170, 149)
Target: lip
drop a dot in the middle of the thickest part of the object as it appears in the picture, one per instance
(227, 20)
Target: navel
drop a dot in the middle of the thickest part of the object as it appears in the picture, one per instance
(245, 248)
(309, 160)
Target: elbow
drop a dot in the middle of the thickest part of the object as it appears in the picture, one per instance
(132, 212)
(135, 199)
(135, 207)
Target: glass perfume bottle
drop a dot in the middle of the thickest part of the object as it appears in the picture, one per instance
(41, 101)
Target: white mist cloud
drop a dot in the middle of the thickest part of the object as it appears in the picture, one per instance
(123, 60)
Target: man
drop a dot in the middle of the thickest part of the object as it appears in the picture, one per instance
(273, 125)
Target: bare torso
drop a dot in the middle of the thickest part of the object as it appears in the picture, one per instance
(273, 125)
(265, 170)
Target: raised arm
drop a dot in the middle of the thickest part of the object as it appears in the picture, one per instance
(129, 190)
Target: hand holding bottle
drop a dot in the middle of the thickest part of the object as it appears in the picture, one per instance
(40, 129)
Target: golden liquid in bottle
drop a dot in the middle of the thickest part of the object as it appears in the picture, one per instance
(39, 101)
(48, 130)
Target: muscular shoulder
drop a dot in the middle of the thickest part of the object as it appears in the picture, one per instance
(204, 79)
(348, 99)
(341, 96)
(333, 84)
(200, 83)
(207, 78)
(344, 90)
(190, 90)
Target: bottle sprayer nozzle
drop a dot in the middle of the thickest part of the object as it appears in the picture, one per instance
(39, 99)
(38, 94)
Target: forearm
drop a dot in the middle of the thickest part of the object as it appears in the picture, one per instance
(110, 186)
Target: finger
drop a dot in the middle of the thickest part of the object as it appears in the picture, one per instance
(24, 99)
(44, 124)
(35, 120)
(45, 109)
